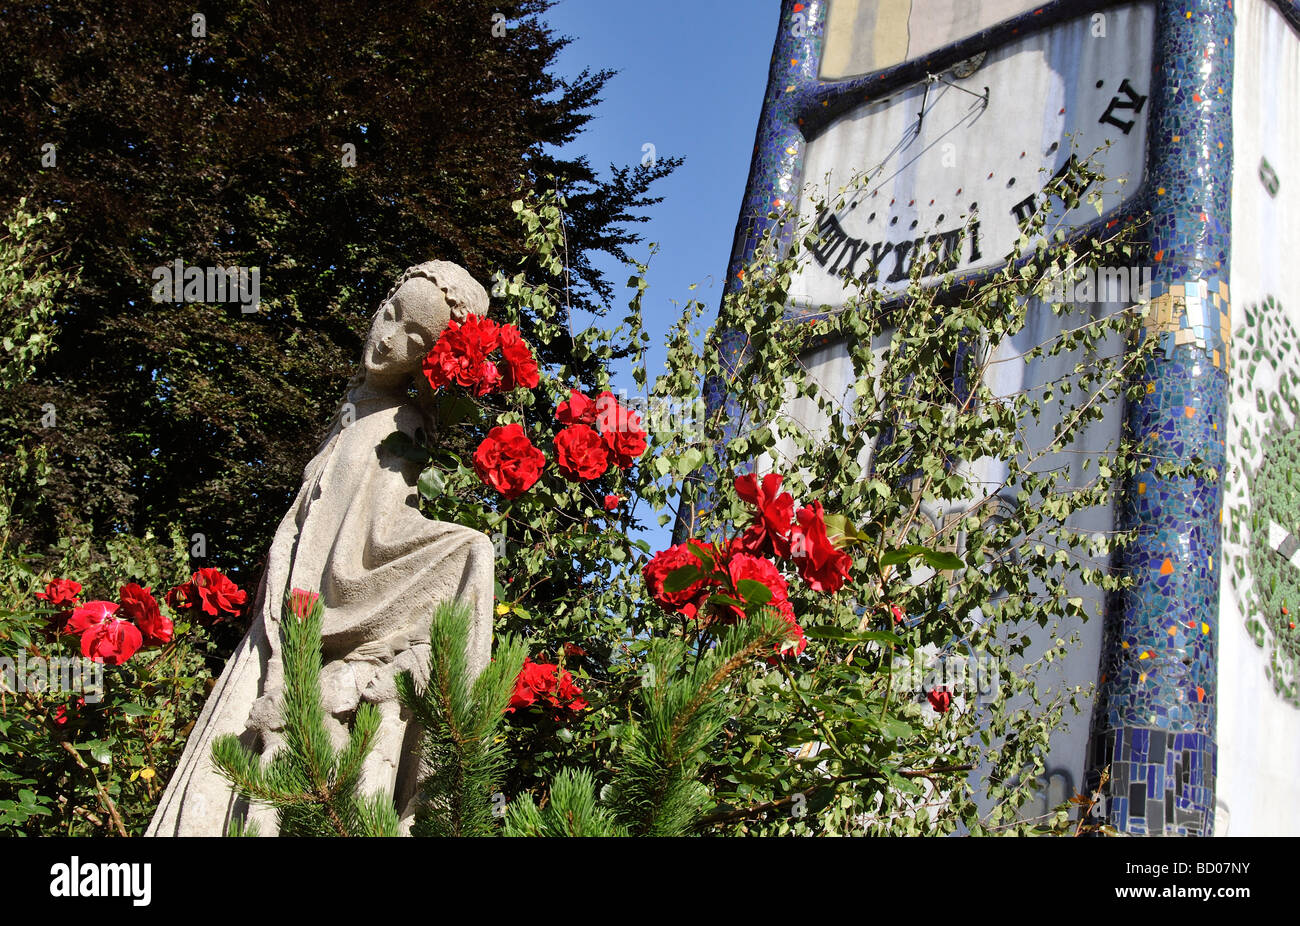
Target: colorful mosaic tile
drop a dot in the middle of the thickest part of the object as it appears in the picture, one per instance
(1155, 721)
(1160, 653)
(1194, 313)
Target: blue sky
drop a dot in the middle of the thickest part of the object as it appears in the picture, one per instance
(690, 82)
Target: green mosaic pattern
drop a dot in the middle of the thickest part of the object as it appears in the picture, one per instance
(1262, 532)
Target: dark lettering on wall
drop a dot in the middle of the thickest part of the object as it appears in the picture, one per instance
(839, 253)
(1134, 104)
(1024, 209)
(942, 252)
(830, 236)
(901, 262)
(1073, 176)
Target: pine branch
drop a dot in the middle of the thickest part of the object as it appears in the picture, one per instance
(313, 787)
(461, 716)
(571, 811)
(657, 793)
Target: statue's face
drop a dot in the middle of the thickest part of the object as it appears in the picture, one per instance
(405, 329)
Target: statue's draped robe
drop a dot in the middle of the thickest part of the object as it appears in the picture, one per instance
(355, 535)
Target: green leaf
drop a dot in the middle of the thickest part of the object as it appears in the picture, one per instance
(727, 600)
(754, 592)
(689, 462)
(901, 555)
(895, 728)
(400, 444)
(460, 409)
(879, 636)
(940, 560)
(681, 578)
(701, 554)
(935, 559)
(431, 483)
(842, 533)
(848, 636)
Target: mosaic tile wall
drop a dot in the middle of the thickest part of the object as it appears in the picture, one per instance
(1155, 721)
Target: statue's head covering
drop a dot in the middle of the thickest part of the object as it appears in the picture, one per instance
(464, 293)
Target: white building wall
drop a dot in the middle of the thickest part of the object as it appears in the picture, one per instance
(1259, 725)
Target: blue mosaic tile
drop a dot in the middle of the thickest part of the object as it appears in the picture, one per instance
(1155, 720)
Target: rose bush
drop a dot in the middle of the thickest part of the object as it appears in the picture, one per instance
(865, 577)
(580, 453)
(548, 686)
(93, 758)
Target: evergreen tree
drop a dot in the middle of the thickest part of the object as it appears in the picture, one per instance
(314, 787)
(462, 750)
(329, 144)
(655, 790)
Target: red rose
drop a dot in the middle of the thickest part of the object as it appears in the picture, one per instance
(508, 462)
(140, 606)
(302, 602)
(209, 591)
(61, 713)
(111, 642)
(61, 593)
(181, 597)
(568, 694)
(460, 355)
(940, 699)
(578, 410)
(534, 679)
(520, 364)
(90, 614)
(822, 565)
(769, 534)
(620, 428)
(795, 643)
(545, 682)
(611, 502)
(489, 378)
(580, 453)
(441, 365)
(756, 569)
(574, 650)
(687, 600)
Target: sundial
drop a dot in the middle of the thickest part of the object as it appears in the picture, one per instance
(971, 149)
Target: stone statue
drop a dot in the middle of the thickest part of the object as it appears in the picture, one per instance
(356, 536)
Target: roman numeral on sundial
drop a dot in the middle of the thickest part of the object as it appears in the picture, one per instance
(1135, 102)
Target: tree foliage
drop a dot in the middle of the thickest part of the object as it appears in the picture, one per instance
(330, 145)
(960, 500)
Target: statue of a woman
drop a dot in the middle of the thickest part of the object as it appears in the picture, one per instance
(356, 536)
